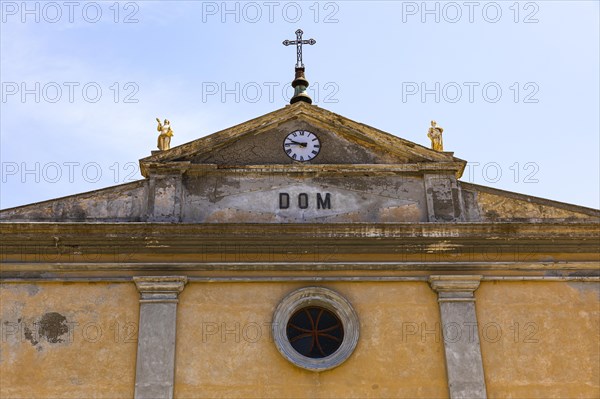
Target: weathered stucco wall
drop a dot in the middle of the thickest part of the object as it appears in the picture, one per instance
(123, 203)
(224, 347)
(267, 148)
(281, 199)
(540, 340)
(486, 204)
(73, 340)
(68, 340)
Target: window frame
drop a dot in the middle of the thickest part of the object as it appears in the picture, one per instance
(321, 297)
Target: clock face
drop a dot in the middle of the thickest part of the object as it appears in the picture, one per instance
(301, 145)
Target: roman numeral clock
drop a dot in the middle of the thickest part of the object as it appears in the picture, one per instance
(301, 145)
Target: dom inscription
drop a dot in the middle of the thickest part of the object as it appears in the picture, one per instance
(303, 201)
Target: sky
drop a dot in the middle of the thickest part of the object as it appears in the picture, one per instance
(515, 85)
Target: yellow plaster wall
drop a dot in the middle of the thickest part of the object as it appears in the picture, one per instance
(540, 339)
(78, 353)
(224, 345)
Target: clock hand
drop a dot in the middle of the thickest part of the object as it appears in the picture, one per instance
(297, 143)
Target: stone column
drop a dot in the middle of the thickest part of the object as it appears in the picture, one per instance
(461, 336)
(155, 364)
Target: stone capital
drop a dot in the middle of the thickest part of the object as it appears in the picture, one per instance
(455, 287)
(159, 288)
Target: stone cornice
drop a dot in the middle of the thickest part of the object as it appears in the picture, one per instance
(421, 242)
(261, 278)
(57, 270)
(497, 231)
(171, 168)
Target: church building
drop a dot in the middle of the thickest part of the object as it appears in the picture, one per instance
(300, 254)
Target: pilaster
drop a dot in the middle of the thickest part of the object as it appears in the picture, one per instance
(464, 365)
(444, 197)
(165, 197)
(155, 365)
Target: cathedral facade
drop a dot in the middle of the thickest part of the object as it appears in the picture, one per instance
(300, 254)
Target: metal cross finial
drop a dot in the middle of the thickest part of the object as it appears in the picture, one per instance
(299, 42)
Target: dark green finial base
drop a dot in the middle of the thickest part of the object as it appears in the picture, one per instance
(300, 84)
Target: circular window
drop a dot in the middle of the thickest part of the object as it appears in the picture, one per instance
(315, 328)
(315, 332)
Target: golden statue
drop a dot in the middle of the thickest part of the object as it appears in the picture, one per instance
(164, 138)
(435, 135)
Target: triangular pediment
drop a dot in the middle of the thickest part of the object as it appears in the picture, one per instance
(242, 175)
(260, 142)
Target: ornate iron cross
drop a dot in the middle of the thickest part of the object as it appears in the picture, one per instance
(299, 42)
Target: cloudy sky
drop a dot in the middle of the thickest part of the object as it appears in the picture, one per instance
(514, 84)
